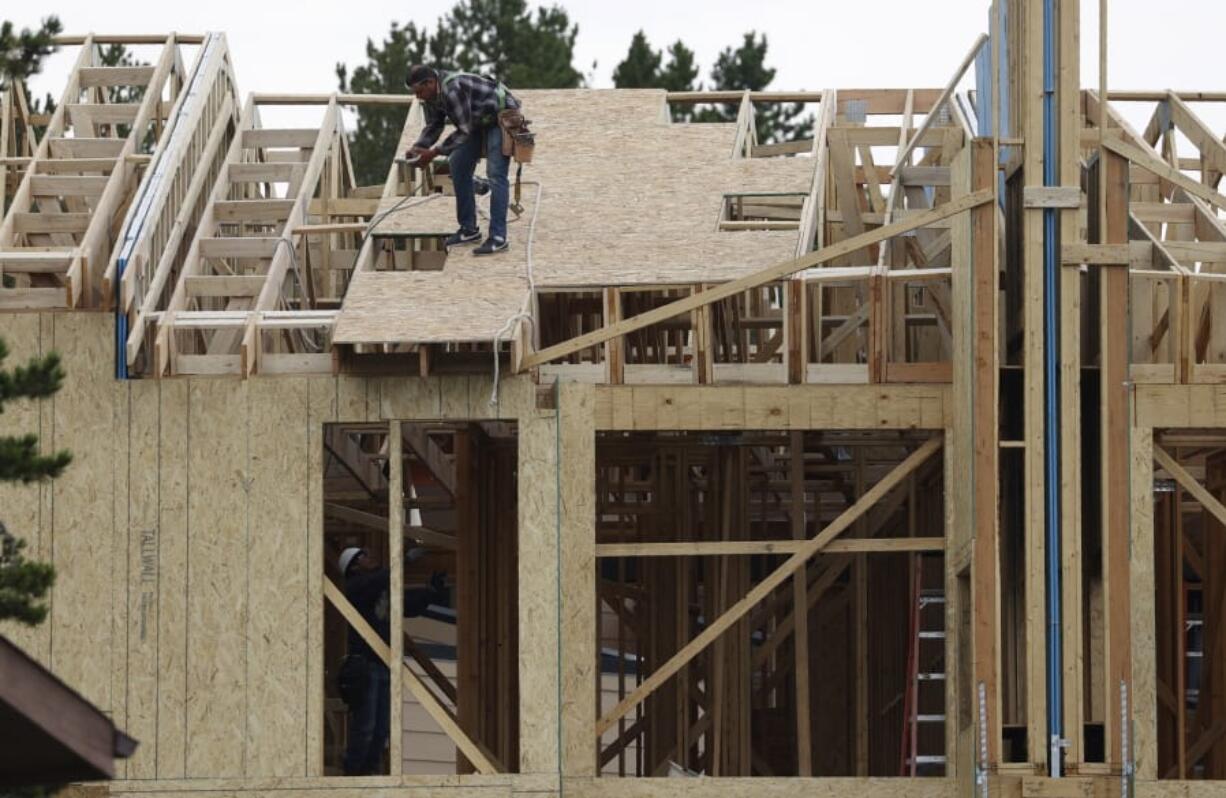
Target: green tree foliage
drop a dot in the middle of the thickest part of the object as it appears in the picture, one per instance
(503, 38)
(641, 67)
(24, 584)
(680, 72)
(373, 145)
(644, 68)
(745, 68)
(22, 54)
(496, 37)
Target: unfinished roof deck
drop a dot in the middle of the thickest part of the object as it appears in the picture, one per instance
(627, 198)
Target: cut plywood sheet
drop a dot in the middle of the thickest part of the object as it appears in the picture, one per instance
(463, 303)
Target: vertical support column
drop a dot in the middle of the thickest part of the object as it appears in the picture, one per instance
(1031, 101)
(704, 361)
(1069, 116)
(1116, 451)
(985, 451)
(859, 583)
(800, 605)
(576, 532)
(796, 339)
(538, 593)
(1211, 709)
(878, 326)
(467, 599)
(1143, 689)
(614, 348)
(395, 562)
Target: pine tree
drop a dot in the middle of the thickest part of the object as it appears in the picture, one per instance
(373, 145)
(502, 38)
(680, 72)
(496, 37)
(22, 54)
(641, 67)
(25, 583)
(745, 68)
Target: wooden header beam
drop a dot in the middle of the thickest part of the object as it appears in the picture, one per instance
(720, 548)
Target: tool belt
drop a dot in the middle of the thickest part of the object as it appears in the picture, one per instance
(518, 141)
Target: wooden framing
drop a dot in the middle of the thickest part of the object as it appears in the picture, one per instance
(98, 169)
(709, 564)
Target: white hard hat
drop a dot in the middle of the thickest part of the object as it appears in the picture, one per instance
(347, 556)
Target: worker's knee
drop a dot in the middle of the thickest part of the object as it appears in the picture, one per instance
(496, 170)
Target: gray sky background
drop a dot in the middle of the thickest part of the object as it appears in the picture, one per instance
(286, 46)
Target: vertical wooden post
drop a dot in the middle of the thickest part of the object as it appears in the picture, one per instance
(878, 325)
(1143, 690)
(796, 339)
(395, 562)
(1031, 117)
(614, 348)
(1070, 124)
(467, 598)
(800, 609)
(704, 362)
(985, 451)
(1212, 708)
(1114, 409)
(859, 575)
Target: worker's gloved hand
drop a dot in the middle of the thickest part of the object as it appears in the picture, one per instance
(424, 155)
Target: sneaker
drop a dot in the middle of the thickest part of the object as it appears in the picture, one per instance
(491, 246)
(461, 237)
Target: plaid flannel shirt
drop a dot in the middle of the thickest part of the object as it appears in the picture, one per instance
(470, 102)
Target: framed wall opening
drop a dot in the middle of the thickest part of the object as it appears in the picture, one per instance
(701, 544)
(423, 518)
(1190, 602)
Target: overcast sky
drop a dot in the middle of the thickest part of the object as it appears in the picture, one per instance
(292, 46)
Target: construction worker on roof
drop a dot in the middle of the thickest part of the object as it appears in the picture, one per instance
(472, 104)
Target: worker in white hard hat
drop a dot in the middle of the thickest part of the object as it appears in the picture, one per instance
(364, 680)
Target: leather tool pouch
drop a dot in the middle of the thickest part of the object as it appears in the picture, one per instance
(517, 140)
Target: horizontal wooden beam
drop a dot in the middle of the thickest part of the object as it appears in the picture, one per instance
(131, 38)
(324, 99)
(770, 274)
(734, 547)
(737, 96)
(1158, 96)
(379, 524)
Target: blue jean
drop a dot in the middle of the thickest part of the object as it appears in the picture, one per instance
(369, 722)
(463, 161)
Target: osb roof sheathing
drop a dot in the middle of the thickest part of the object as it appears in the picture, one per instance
(627, 198)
